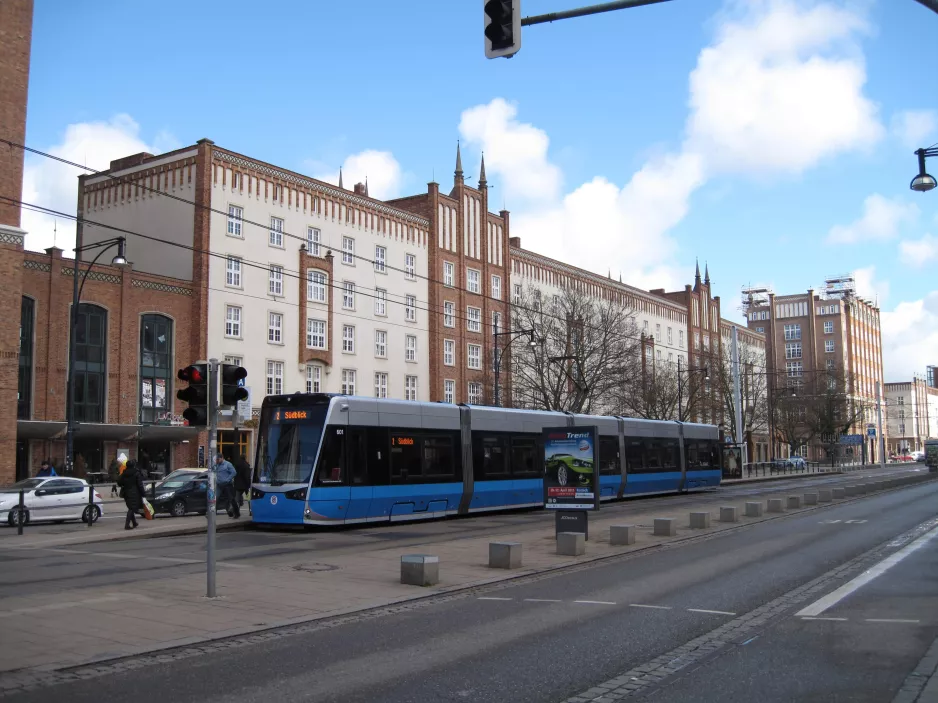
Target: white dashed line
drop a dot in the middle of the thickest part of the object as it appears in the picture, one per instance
(834, 619)
(493, 598)
(542, 600)
(891, 620)
(656, 607)
(712, 612)
(595, 602)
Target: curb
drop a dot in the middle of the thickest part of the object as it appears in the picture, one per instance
(766, 479)
(130, 536)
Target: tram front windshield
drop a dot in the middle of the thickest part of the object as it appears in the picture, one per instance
(289, 440)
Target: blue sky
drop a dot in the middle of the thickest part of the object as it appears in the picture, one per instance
(772, 138)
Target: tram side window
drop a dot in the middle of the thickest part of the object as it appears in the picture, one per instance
(634, 456)
(670, 458)
(329, 472)
(691, 456)
(405, 457)
(653, 456)
(609, 456)
(357, 456)
(524, 463)
(489, 457)
(439, 459)
(378, 445)
(709, 455)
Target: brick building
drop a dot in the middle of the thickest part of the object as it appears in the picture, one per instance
(910, 415)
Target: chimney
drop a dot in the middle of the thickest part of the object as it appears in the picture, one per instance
(514, 242)
(360, 189)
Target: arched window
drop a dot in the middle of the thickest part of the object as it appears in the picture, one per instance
(25, 385)
(156, 347)
(90, 363)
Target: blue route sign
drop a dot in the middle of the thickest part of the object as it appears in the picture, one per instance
(851, 440)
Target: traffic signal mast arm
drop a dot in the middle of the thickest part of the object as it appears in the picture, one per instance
(589, 10)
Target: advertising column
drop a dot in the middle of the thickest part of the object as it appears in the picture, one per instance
(571, 476)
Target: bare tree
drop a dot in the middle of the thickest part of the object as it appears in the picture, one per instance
(788, 407)
(584, 347)
(663, 390)
(753, 390)
(831, 410)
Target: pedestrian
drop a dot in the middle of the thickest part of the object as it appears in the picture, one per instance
(46, 469)
(242, 482)
(133, 491)
(224, 478)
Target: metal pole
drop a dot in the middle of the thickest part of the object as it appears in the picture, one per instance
(70, 391)
(879, 423)
(680, 390)
(90, 504)
(495, 356)
(212, 479)
(20, 514)
(590, 10)
(738, 396)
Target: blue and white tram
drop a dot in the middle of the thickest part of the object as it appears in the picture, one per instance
(331, 459)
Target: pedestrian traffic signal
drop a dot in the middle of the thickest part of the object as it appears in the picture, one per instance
(232, 385)
(196, 395)
(502, 28)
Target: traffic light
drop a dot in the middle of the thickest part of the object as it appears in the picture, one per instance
(232, 385)
(196, 395)
(502, 28)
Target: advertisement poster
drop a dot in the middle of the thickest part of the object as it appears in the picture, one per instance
(733, 461)
(571, 478)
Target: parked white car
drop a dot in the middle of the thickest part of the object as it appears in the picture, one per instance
(54, 499)
(918, 456)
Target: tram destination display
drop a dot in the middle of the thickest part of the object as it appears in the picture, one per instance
(571, 478)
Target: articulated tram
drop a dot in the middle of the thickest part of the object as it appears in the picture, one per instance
(326, 459)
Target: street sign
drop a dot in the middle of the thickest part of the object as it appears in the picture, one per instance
(244, 406)
(870, 431)
(571, 468)
(851, 440)
(201, 456)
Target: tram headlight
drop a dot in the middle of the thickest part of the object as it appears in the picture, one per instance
(296, 494)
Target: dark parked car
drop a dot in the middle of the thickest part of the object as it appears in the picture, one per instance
(182, 492)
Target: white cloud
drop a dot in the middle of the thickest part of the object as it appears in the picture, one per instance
(919, 252)
(779, 90)
(880, 221)
(914, 128)
(870, 287)
(515, 150)
(55, 185)
(380, 168)
(910, 337)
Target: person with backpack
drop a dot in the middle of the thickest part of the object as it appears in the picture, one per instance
(133, 491)
(225, 477)
(242, 482)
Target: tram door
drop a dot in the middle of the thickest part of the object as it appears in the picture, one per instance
(356, 472)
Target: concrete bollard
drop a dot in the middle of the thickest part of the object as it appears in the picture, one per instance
(754, 509)
(850, 491)
(665, 527)
(420, 570)
(622, 535)
(571, 544)
(824, 495)
(837, 493)
(504, 555)
(699, 520)
(729, 513)
(776, 505)
(794, 501)
(810, 498)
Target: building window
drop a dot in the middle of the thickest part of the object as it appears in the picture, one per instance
(277, 192)
(348, 339)
(381, 344)
(473, 319)
(901, 429)
(706, 341)
(829, 346)
(381, 258)
(348, 251)
(901, 400)
(475, 356)
(449, 391)
(473, 279)
(156, 347)
(517, 293)
(795, 369)
(314, 379)
(348, 381)
(316, 334)
(760, 330)
(410, 309)
(680, 338)
(410, 266)
(233, 272)
(274, 328)
(348, 295)
(314, 241)
(315, 286)
(830, 364)
(792, 332)
(670, 335)
(234, 360)
(497, 287)
(449, 314)
(793, 350)
(410, 348)
(449, 352)
(233, 321)
(235, 220)
(475, 393)
(381, 385)
(645, 327)
(448, 274)
(410, 388)
(496, 320)
(902, 414)
(829, 327)
(24, 405)
(274, 377)
(381, 302)
(275, 283)
(658, 354)
(276, 232)
(658, 333)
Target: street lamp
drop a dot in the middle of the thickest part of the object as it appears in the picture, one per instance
(532, 342)
(119, 260)
(924, 182)
(680, 384)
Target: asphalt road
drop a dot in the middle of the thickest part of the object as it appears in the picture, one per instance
(550, 637)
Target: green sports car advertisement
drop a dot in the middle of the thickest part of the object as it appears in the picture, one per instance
(570, 478)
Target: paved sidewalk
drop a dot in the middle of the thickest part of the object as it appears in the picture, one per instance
(169, 609)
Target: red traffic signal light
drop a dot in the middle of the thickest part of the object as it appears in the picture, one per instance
(197, 373)
(196, 395)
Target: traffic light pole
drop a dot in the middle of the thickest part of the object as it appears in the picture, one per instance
(583, 11)
(210, 511)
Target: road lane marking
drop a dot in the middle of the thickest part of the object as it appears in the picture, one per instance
(751, 639)
(595, 602)
(832, 619)
(542, 600)
(882, 567)
(657, 607)
(891, 620)
(712, 612)
(493, 598)
(73, 604)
